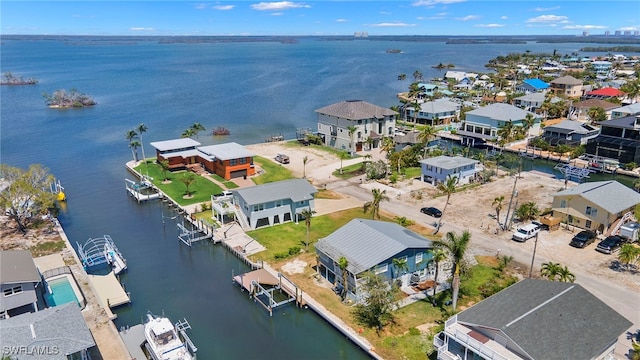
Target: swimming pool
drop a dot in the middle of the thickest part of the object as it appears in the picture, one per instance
(61, 292)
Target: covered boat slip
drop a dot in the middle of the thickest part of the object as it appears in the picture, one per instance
(268, 289)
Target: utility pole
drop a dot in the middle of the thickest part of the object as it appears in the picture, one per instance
(513, 194)
(535, 245)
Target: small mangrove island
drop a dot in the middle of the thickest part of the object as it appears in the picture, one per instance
(63, 99)
(10, 79)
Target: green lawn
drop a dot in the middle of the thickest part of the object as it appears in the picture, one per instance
(350, 171)
(328, 149)
(201, 189)
(226, 183)
(280, 238)
(272, 171)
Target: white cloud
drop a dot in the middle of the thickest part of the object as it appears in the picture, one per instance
(279, 5)
(489, 25)
(583, 27)
(392, 24)
(504, 17)
(224, 7)
(277, 14)
(342, 20)
(628, 28)
(548, 19)
(141, 29)
(384, 13)
(546, 9)
(435, 2)
(468, 17)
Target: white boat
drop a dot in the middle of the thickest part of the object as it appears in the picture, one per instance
(163, 340)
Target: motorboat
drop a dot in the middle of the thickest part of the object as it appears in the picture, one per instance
(164, 341)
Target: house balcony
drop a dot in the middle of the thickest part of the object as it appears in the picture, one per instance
(471, 340)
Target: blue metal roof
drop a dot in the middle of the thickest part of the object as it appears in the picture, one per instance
(536, 83)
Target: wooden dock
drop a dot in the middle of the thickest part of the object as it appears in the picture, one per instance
(262, 284)
(109, 292)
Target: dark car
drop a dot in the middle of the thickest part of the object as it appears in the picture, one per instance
(583, 239)
(610, 244)
(431, 211)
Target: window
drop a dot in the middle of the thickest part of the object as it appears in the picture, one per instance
(12, 291)
(587, 224)
(563, 203)
(259, 207)
(278, 203)
(419, 257)
(381, 269)
(233, 162)
(243, 160)
(591, 211)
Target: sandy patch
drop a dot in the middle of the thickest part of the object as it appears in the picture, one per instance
(294, 267)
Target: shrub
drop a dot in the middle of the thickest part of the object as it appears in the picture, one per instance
(294, 250)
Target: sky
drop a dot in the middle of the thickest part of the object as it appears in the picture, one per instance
(328, 17)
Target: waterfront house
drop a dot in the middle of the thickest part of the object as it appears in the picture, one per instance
(533, 102)
(370, 121)
(628, 110)
(595, 206)
(606, 93)
(54, 333)
(435, 170)
(437, 112)
(567, 86)
(178, 152)
(533, 320)
(461, 77)
(529, 86)
(371, 245)
(273, 203)
(580, 110)
(19, 281)
(228, 160)
(569, 132)
(619, 139)
(482, 124)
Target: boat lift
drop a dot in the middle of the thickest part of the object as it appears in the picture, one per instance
(190, 236)
(100, 251)
(182, 326)
(573, 172)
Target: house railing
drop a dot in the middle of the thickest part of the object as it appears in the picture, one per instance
(55, 272)
(475, 345)
(626, 217)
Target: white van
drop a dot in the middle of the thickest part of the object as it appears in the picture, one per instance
(525, 232)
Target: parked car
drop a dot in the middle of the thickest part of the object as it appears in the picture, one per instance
(282, 158)
(610, 244)
(525, 232)
(431, 211)
(583, 239)
(540, 225)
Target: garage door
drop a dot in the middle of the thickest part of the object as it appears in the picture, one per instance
(238, 173)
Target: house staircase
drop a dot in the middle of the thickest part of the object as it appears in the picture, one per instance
(615, 228)
(197, 168)
(242, 221)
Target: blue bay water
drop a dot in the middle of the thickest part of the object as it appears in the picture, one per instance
(254, 89)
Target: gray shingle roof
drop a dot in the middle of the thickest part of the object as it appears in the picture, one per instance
(448, 162)
(226, 151)
(366, 243)
(439, 106)
(175, 144)
(17, 266)
(589, 103)
(356, 110)
(626, 122)
(61, 327)
(567, 80)
(501, 112)
(569, 127)
(294, 189)
(550, 319)
(610, 195)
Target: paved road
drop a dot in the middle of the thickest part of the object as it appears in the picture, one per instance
(625, 300)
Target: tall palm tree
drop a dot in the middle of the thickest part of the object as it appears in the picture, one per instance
(425, 136)
(132, 137)
(387, 145)
(629, 254)
(507, 131)
(400, 265)
(565, 275)
(528, 122)
(456, 246)
(307, 214)
(448, 187)
(305, 160)
(188, 179)
(550, 270)
(188, 133)
(497, 204)
(343, 263)
(374, 205)
(352, 130)
(402, 76)
(343, 155)
(416, 109)
(437, 257)
(196, 128)
(141, 129)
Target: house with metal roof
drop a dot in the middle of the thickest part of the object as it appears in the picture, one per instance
(437, 112)
(178, 152)
(273, 203)
(628, 110)
(532, 86)
(435, 170)
(567, 86)
(370, 122)
(595, 206)
(19, 280)
(482, 124)
(569, 132)
(54, 333)
(371, 245)
(619, 140)
(533, 320)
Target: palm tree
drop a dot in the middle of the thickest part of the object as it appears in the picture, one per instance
(343, 263)
(352, 130)
(400, 265)
(416, 109)
(164, 165)
(378, 197)
(456, 246)
(305, 160)
(343, 155)
(507, 131)
(188, 179)
(448, 187)
(528, 122)
(425, 136)
(141, 129)
(307, 214)
(188, 133)
(565, 275)
(132, 137)
(527, 211)
(196, 128)
(437, 257)
(387, 145)
(417, 75)
(550, 270)
(497, 204)
(629, 254)
(402, 76)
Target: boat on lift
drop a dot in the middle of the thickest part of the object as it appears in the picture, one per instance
(166, 341)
